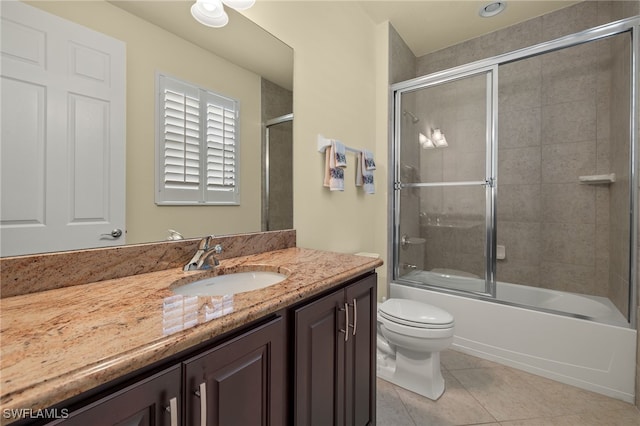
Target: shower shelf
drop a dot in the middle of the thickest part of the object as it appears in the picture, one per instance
(460, 224)
(598, 179)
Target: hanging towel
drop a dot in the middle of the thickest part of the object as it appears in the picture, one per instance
(340, 153)
(335, 162)
(364, 171)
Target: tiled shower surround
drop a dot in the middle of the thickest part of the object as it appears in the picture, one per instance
(561, 115)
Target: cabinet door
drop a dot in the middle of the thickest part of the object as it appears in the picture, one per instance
(319, 362)
(360, 378)
(240, 382)
(145, 403)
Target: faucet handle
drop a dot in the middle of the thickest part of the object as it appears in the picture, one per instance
(204, 243)
(218, 248)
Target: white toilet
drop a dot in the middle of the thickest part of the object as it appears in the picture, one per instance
(411, 335)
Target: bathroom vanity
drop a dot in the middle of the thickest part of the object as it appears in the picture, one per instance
(299, 352)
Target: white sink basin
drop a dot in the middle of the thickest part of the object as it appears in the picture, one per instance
(238, 282)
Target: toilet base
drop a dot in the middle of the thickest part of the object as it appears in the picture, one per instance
(418, 373)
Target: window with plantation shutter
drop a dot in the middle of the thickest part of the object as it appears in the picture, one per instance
(197, 146)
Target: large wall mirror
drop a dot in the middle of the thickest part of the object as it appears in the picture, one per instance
(240, 60)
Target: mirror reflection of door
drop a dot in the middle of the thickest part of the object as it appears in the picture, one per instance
(62, 146)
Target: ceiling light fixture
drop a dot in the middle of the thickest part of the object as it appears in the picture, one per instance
(492, 9)
(212, 14)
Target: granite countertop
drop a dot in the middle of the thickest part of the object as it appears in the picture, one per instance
(59, 343)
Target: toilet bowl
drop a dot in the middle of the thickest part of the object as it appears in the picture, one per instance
(410, 337)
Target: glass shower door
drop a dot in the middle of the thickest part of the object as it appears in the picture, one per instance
(277, 191)
(444, 192)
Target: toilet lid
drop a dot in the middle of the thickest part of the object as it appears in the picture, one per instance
(416, 314)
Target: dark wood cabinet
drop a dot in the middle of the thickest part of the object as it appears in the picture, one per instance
(360, 372)
(240, 382)
(150, 402)
(311, 364)
(334, 360)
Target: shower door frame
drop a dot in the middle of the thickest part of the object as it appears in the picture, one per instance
(266, 223)
(490, 166)
(490, 66)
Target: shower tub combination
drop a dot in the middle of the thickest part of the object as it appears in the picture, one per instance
(593, 349)
(448, 235)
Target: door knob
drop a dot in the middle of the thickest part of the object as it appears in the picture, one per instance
(116, 233)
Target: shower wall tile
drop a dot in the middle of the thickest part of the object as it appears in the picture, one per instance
(570, 20)
(455, 244)
(602, 206)
(621, 9)
(402, 60)
(603, 156)
(469, 135)
(605, 55)
(431, 201)
(474, 263)
(568, 277)
(522, 242)
(602, 278)
(569, 122)
(568, 243)
(570, 74)
(464, 200)
(518, 203)
(520, 85)
(568, 203)
(517, 37)
(464, 166)
(564, 163)
(437, 61)
(432, 165)
(519, 128)
(519, 166)
(516, 271)
(602, 242)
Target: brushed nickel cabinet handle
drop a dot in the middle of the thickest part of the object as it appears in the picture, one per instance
(202, 394)
(355, 316)
(346, 316)
(173, 409)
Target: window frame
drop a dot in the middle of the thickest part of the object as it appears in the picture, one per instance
(201, 193)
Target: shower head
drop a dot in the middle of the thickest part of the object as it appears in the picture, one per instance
(414, 119)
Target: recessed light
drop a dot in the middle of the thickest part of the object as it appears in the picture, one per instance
(492, 9)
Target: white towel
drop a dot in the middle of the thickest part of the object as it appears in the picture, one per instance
(340, 153)
(364, 171)
(335, 162)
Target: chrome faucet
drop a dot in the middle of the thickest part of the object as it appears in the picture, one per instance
(200, 260)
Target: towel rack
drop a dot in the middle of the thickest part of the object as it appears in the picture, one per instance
(323, 143)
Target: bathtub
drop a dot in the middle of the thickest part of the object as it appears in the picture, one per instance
(595, 349)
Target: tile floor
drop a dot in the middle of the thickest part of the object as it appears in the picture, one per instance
(480, 392)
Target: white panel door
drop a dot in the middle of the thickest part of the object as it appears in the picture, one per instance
(62, 141)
